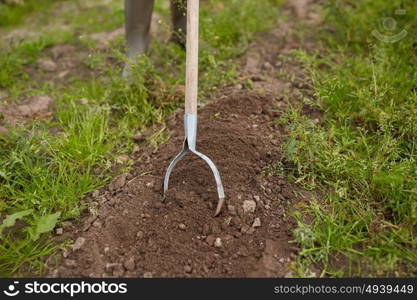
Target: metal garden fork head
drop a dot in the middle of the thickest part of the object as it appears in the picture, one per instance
(191, 90)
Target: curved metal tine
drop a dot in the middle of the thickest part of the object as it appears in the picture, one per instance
(216, 173)
(171, 166)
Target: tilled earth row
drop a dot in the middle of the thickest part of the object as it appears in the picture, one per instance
(132, 232)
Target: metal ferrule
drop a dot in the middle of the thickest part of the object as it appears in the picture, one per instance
(190, 130)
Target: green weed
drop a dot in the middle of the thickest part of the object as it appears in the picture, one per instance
(364, 154)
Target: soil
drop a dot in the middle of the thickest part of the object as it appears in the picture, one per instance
(180, 237)
(131, 231)
(35, 107)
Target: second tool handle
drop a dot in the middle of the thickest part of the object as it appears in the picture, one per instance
(191, 76)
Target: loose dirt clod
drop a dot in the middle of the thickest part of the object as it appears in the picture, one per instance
(210, 240)
(129, 264)
(112, 266)
(70, 263)
(231, 209)
(118, 182)
(35, 105)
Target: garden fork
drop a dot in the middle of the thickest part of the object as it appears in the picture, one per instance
(191, 90)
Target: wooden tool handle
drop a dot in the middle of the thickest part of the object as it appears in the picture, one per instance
(191, 76)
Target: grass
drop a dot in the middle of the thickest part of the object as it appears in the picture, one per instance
(12, 13)
(364, 152)
(48, 167)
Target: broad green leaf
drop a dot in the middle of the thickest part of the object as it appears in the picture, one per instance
(44, 224)
(10, 220)
(292, 147)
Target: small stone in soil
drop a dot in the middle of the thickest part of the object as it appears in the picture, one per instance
(79, 242)
(59, 231)
(150, 184)
(249, 206)
(256, 223)
(188, 269)
(257, 198)
(218, 243)
(182, 226)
